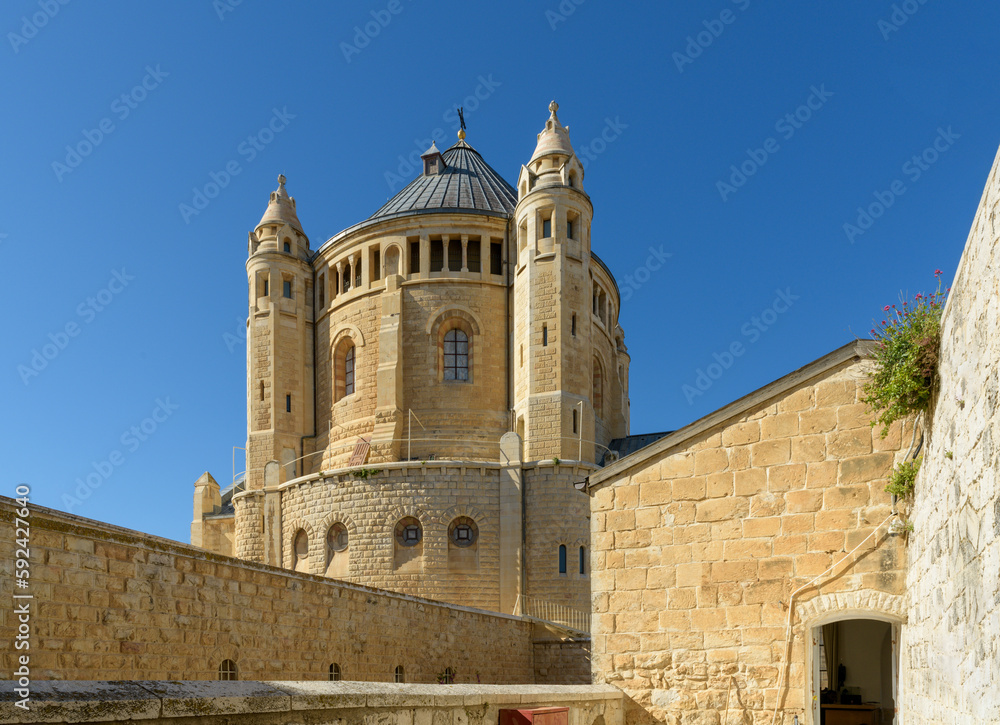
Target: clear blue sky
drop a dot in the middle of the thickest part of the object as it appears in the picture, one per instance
(216, 73)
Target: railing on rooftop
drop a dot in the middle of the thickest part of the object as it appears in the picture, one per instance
(575, 621)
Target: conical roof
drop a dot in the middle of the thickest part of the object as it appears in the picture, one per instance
(467, 183)
(554, 138)
(281, 208)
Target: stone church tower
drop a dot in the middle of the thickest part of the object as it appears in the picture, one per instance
(425, 388)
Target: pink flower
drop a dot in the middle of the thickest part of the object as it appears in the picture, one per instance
(885, 309)
(937, 272)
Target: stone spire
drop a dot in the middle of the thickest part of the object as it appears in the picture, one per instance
(281, 208)
(554, 138)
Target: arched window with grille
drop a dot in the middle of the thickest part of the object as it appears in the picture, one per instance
(400, 674)
(228, 670)
(456, 355)
(335, 672)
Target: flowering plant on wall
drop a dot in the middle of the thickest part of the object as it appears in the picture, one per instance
(907, 344)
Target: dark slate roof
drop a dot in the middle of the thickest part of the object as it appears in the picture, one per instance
(467, 183)
(631, 444)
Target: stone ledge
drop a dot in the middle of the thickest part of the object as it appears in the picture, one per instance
(92, 701)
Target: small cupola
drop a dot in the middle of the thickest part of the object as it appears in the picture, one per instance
(433, 161)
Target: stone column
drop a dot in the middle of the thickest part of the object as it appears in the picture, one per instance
(444, 247)
(465, 253)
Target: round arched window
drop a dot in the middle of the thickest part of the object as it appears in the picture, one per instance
(408, 532)
(463, 531)
(301, 549)
(337, 537)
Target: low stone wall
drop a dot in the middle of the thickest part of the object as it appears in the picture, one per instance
(114, 604)
(562, 663)
(317, 703)
(950, 663)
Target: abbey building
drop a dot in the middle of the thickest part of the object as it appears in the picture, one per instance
(425, 387)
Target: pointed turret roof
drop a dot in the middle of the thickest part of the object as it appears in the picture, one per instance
(467, 183)
(281, 208)
(554, 138)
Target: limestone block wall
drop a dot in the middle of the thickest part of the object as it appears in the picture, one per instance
(288, 703)
(950, 667)
(697, 550)
(435, 493)
(339, 423)
(465, 419)
(115, 604)
(557, 514)
(563, 663)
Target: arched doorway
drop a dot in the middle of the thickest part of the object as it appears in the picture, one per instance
(854, 669)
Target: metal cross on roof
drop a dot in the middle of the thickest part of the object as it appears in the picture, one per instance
(461, 117)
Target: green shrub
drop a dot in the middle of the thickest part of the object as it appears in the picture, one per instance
(903, 477)
(907, 345)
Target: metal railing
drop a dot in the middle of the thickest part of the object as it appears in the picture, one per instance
(575, 620)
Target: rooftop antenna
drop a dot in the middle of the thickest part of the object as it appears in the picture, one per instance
(461, 120)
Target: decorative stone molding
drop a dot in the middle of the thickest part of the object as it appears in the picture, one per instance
(863, 604)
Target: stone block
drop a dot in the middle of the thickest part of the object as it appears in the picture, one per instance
(786, 478)
(741, 434)
(749, 482)
(710, 461)
(847, 443)
(839, 497)
(770, 453)
(806, 501)
(807, 449)
(822, 420)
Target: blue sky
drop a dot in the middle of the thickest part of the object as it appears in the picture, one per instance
(737, 137)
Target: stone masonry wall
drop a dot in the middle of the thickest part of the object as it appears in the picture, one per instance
(950, 664)
(435, 493)
(563, 663)
(114, 604)
(557, 514)
(697, 550)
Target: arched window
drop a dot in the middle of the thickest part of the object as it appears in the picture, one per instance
(562, 558)
(334, 672)
(583, 561)
(300, 551)
(456, 355)
(463, 532)
(349, 371)
(408, 532)
(347, 278)
(408, 549)
(337, 561)
(400, 674)
(228, 671)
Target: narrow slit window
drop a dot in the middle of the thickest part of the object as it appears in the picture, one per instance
(547, 228)
(562, 558)
(286, 289)
(583, 560)
(288, 247)
(262, 390)
(288, 403)
(496, 258)
(576, 421)
(574, 325)
(569, 230)
(265, 288)
(545, 335)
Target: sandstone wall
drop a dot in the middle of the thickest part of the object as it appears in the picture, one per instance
(950, 667)
(697, 550)
(563, 663)
(557, 514)
(435, 493)
(114, 604)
